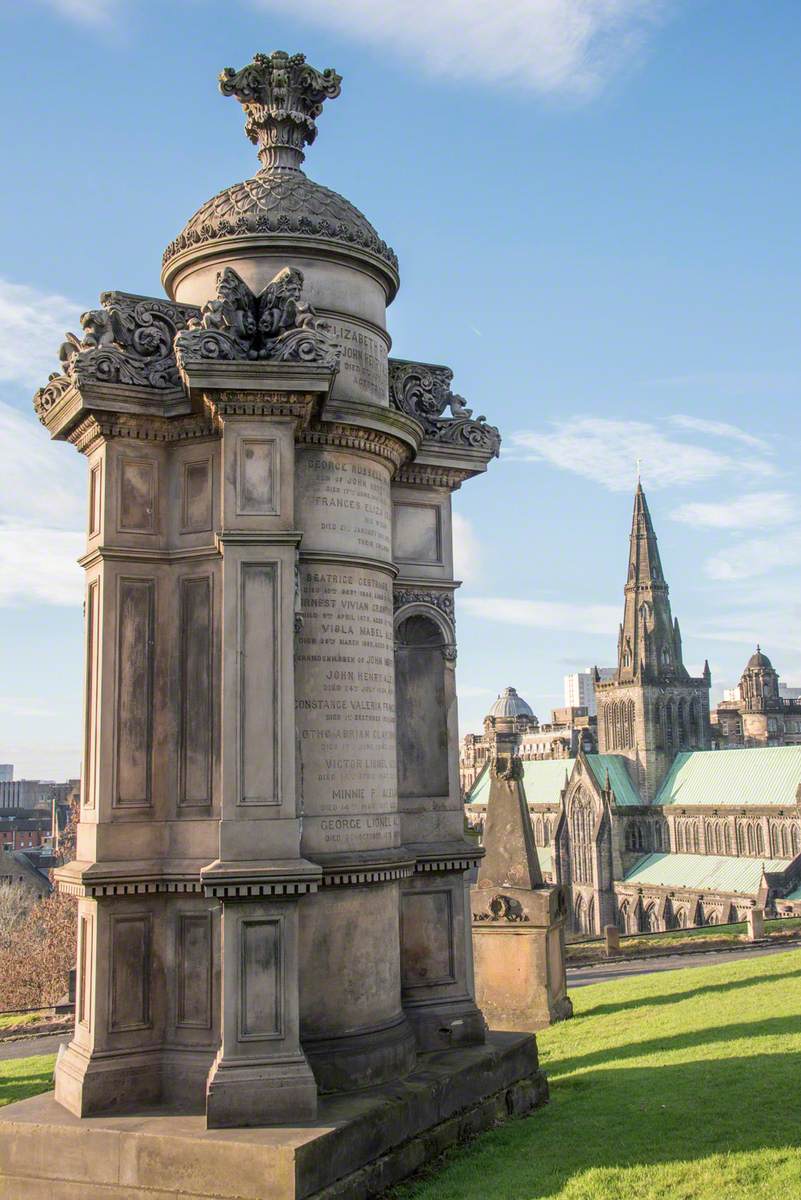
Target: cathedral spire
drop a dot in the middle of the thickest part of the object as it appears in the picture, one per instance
(650, 642)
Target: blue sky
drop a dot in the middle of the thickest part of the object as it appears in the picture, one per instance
(595, 205)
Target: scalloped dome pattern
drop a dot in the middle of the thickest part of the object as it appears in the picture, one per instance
(509, 704)
(280, 201)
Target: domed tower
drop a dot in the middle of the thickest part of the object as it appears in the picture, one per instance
(760, 702)
(271, 758)
(510, 714)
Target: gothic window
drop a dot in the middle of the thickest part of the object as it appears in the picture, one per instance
(658, 837)
(774, 840)
(680, 918)
(546, 832)
(695, 724)
(584, 916)
(740, 839)
(727, 838)
(710, 844)
(659, 721)
(581, 838)
(696, 839)
(669, 726)
(785, 842)
(650, 921)
(680, 837)
(619, 725)
(760, 842)
(665, 657)
(632, 737)
(751, 841)
(796, 840)
(682, 720)
(623, 917)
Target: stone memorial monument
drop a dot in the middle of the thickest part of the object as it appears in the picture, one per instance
(272, 907)
(518, 921)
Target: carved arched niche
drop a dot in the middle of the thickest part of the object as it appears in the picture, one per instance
(423, 647)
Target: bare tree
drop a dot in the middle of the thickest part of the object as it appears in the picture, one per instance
(16, 901)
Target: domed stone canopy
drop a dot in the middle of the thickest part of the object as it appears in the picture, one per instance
(280, 210)
(279, 201)
(509, 704)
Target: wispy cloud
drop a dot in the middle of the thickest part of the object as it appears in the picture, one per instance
(97, 13)
(755, 510)
(568, 47)
(42, 502)
(32, 326)
(757, 556)
(606, 450)
(720, 429)
(544, 614)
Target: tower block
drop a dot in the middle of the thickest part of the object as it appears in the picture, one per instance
(271, 862)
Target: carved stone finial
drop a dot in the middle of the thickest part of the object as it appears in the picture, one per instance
(281, 95)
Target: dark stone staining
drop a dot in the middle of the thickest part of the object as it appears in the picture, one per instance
(426, 939)
(130, 972)
(135, 691)
(421, 711)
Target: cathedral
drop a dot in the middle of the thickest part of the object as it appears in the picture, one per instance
(660, 829)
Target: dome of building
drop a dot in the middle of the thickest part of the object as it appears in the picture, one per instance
(277, 202)
(509, 704)
(759, 662)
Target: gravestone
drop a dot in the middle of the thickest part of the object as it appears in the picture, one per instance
(518, 921)
(271, 864)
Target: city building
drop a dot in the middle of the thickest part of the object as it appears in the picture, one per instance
(659, 829)
(6, 772)
(569, 729)
(760, 711)
(580, 688)
(16, 867)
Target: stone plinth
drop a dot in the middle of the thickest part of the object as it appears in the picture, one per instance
(755, 919)
(612, 939)
(518, 921)
(358, 1146)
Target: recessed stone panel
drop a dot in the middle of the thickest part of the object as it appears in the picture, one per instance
(196, 512)
(130, 972)
(260, 976)
(256, 480)
(137, 495)
(427, 938)
(417, 533)
(193, 958)
(363, 372)
(196, 729)
(259, 748)
(134, 741)
(89, 788)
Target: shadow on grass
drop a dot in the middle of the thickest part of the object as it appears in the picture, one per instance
(769, 1027)
(705, 989)
(641, 1117)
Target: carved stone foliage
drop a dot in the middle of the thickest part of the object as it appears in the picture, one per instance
(281, 95)
(502, 908)
(276, 325)
(440, 600)
(506, 766)
(423, 391)
(128, 340)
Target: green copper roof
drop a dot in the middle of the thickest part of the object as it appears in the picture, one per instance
(618, 777)
(706, 872)
(543, 780)
(795, 894)
(769, 775)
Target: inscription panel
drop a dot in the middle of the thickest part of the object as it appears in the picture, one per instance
(342, 502)
(417, 533)
(363, 371)
(345, 709)
(135, 620)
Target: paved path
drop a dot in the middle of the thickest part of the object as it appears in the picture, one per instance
(27, 1047)
(605, 972)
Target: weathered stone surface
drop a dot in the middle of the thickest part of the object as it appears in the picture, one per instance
(358, 1147)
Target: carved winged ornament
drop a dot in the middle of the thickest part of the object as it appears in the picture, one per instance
(276, 325)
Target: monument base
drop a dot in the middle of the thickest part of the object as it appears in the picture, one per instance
(360, 1144)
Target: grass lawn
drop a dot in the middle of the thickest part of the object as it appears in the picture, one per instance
(777, 929)
(684, 1085)
(22, 1077)
(14, 1020)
